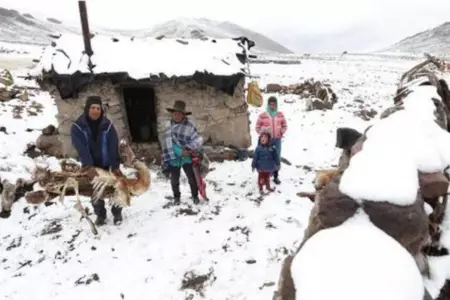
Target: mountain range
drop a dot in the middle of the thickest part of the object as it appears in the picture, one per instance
(19, 27)
(435, 41)
(16, 27)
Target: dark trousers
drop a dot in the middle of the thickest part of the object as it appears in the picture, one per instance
(175, 173)
(275, 174)
(263, 180)
(277, 144)
(100, 210)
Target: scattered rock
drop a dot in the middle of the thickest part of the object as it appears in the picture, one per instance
(244, 230)
(15, 243)
(8, 90)
(53, 227)
(317, 104)
(49, 143)
(273, 88)
(24, 95)
(188, 211)
(86, 280)
(365, 114)
(6, 78)
(53, 20)
(267, 284)
(31, 151)
(197, 282)
(320, 94)
(24, 264)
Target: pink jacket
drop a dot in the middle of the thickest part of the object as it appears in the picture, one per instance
(276, 126)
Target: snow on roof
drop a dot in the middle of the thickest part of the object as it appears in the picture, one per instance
(141, 58)
(396, 149)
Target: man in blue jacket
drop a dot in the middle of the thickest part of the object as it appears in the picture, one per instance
(95, 139)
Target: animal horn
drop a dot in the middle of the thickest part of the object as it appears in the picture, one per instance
(406, 77)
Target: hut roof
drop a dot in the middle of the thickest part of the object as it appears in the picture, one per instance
(142, 58)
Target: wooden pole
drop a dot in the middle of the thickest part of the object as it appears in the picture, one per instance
(85, 28)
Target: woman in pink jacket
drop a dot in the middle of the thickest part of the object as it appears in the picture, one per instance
(273, 122)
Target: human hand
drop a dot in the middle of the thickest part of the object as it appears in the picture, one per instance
(165, 170)
(89, 171)
(186, 152)
(117, 173)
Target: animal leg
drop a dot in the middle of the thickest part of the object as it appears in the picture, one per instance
(100, 183)
(71, 182)
(286, 288)
(99, 189)
(422, 264)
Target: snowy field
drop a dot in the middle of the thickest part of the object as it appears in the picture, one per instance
(228, 249)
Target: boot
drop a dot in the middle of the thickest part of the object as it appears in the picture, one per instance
(176, 200)
(100, 212)
(100, 221)
(275, 178)
(195, 199)
(117, 213)
(118, 220)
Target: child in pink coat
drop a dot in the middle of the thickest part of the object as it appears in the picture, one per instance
(274, 122)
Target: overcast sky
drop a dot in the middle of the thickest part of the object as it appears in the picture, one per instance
(360, 23)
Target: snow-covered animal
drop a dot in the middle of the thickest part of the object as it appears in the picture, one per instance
(381, 178)
(354, 261)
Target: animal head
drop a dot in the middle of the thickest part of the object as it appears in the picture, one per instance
(324, 177)
(70, 167)
(126, 154)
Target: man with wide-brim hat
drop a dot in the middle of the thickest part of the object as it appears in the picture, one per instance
(179, 106)
(180, 139)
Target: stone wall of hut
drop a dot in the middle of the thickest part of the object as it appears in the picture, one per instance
(220, 118)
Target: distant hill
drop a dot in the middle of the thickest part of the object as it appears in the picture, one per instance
(436, 41)
(198, 28)
(26, 28)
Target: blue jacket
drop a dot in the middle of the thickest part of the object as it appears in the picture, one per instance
(265, 158)
(105, 152)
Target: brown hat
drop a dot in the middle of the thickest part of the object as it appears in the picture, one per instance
(179, 106)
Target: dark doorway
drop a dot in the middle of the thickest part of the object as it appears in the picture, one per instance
(141, 113)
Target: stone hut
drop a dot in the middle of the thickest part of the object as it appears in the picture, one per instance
(138, 79)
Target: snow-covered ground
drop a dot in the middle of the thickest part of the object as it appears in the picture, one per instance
(229, 248)
(18, 56)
